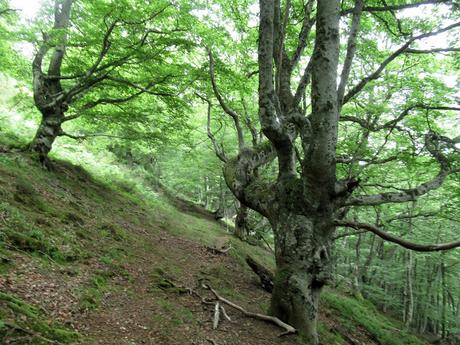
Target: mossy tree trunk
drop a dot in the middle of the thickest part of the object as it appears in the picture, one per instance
(303, 268)
(49, 97)
(307, 201)
(47, 132)
(242, 222)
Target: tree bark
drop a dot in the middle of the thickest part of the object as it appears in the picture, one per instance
(241, 222)
(265, 275)
(302, 259)
(47, 132)
(48, 92)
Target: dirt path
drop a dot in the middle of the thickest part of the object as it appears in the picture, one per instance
(136, 312)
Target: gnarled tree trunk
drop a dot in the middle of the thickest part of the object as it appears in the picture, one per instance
(48, 92)
(47, 132)
(241, 221)
(302, 259)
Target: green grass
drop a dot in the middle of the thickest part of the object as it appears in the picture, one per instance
(91, 295)
(353, 312)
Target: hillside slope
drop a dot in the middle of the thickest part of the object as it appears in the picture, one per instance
(85, 262)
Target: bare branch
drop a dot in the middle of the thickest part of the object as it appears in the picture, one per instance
(104, 50)
(347, 234)
(395, 239)
(351, 49)
(94, 135)
(146, 89)
(71, 117)
(351, 160)
(233, 114)
(249, 124)
(410, 216)
(7, 10)
(431, 51)
(307, 25)
(218, 148)
(398, 7)
(304, 81)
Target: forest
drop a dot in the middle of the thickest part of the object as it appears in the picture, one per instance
(230, 172)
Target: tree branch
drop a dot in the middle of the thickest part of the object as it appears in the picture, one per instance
(397, 7)
(61, 22)
(376, 74)
(240, 178)
(351, 49)
(307, 25)
(395, 239)
(392, 123)
(404, 195)
(218, 148)
(233, 114)
(433, 50)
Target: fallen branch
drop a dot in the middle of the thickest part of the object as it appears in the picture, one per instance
(288, 329)
(215, 324)
(265, 275)
(224, 313)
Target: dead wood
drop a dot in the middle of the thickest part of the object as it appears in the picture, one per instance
(215, 323)
(288, 328)
(266, 276)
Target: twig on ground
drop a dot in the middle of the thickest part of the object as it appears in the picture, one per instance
(288, 328)
(224, 313)
(215, 324)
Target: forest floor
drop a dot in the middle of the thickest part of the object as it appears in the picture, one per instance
(85, 262)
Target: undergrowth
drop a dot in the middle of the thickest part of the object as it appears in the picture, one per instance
(352, 312)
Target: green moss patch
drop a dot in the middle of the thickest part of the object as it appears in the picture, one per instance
(23, 323)
(353, 313)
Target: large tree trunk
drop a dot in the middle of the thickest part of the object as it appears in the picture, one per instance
(303, 268)
(47, 132)
(48, 92)
(241, 222)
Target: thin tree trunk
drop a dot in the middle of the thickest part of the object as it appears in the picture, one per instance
(356, 286)
(409, 303)
(409, 293)
(444, 299)
(206, 192)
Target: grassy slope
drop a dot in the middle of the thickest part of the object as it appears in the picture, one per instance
(78, 254)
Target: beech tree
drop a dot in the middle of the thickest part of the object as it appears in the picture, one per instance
(105, 54)
(313, 94)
